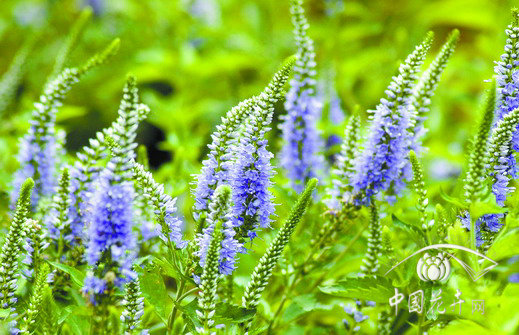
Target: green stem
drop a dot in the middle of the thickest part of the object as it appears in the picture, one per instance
(180, 291)
(283, 301)
(341, 255)
(187, 294)
(302, 271)
(295, 281)
(173, 314)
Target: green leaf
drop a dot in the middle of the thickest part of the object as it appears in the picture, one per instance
(78, 320)
(154, 290)
(303, 304)
(225, 313)
(77, 276)
(368, 288)
(258, 330)
(4, 313)
(453, 200)
(506, 245)
(512, 221)
(415, 227)
(458, 235)
(167, 268)
(189, 313)
(233, 313)
(488, 206)
(461, 327)
(64, 312)
(416, 232)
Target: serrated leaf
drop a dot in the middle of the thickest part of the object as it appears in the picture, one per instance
(77, 276)
(167, 268)
(154, 290)
(189, 313)
(377, 289)
(233, 313)
(416, 233)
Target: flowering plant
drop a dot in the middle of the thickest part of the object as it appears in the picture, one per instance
(295, 218)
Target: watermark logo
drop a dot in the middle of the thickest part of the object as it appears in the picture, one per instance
(435, 265)
(436, 303)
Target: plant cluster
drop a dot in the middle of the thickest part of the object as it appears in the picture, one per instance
(96, 244)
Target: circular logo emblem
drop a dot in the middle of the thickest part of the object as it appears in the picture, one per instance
(433, 267)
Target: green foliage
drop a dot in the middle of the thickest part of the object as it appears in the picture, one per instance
(209, 279)
(10, 79)
(268, 261)
(70, 41)
(76, 275)
(428, 81)
(419, 188)
(478, 156)
(133, 308)
(154, 291)
(378, 289)
(194, 60)
(370, 264)
(11, 250)
(500, 144)
(505, 245)
(32, 321)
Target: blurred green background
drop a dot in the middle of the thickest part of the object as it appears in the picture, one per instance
(196, 59)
